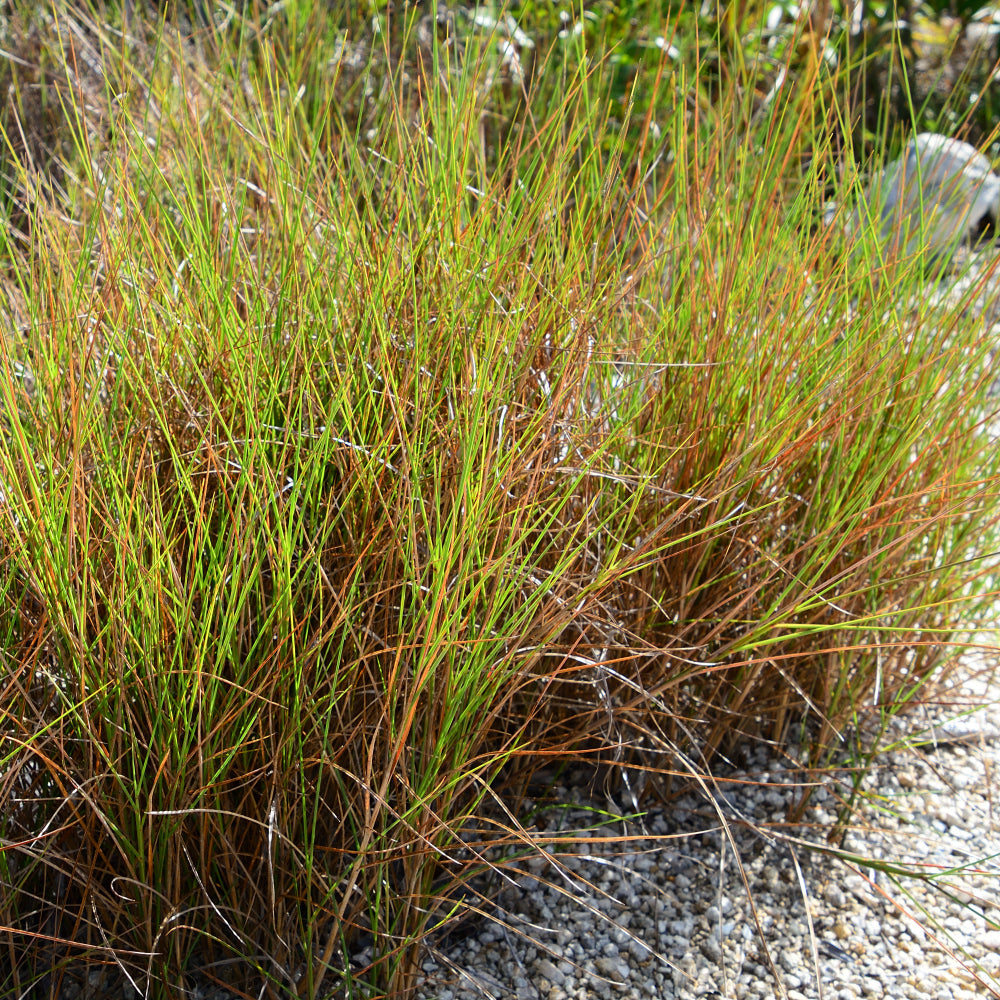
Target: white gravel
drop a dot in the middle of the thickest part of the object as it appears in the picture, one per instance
(667, 914)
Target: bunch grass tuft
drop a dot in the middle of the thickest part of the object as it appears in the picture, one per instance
(383, 422)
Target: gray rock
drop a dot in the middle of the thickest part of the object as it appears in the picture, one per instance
(934, 197)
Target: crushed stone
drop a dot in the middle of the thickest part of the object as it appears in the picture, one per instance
(661, 908)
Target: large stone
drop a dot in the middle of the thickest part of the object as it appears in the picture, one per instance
(941, 193)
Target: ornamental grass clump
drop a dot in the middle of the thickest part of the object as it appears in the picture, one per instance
(379, 430)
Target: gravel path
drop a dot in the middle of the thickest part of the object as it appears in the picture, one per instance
(665, 913)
